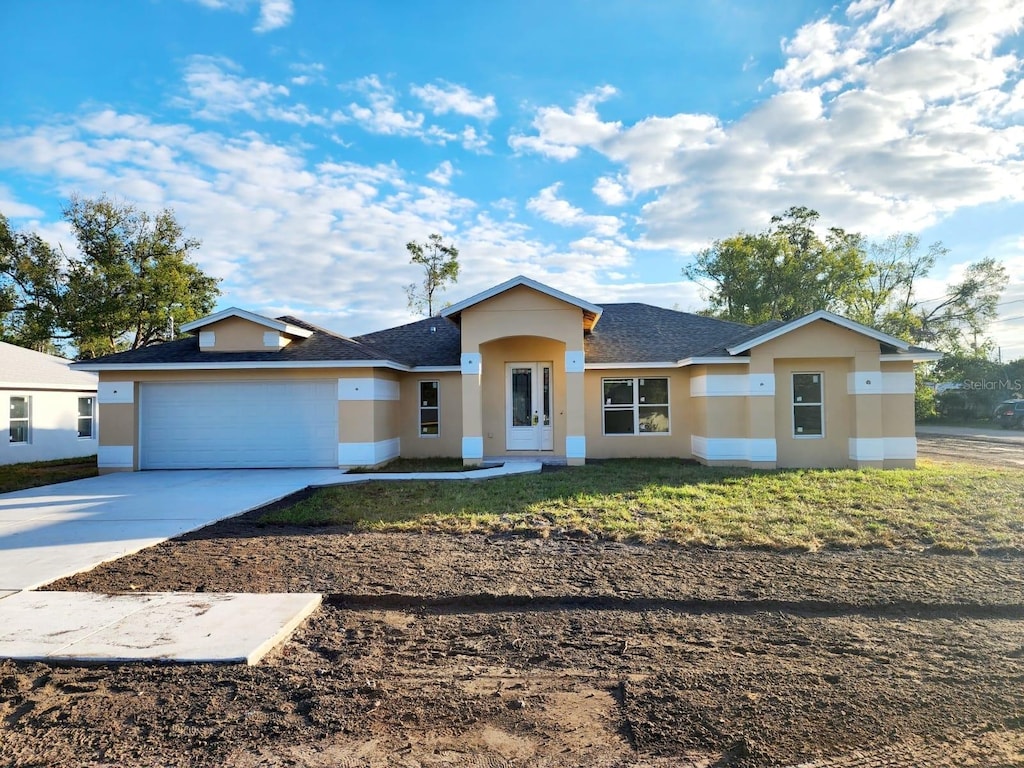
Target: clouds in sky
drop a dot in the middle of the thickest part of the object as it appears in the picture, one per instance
(273, 14)
(887, 117)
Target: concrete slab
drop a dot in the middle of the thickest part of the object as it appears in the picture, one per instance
(83, 627)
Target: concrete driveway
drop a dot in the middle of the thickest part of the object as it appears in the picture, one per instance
(58, 530)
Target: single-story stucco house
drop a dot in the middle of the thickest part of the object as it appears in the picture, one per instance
(521, 369)
(48, 410)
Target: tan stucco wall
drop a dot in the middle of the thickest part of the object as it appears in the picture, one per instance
(522, 311)
(118, 424)
(236, 334)
(520, 325)
(496, 356)
(674, 444)
(832, 449)
(449, 442)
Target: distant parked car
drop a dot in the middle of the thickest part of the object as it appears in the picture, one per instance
(1010, 414)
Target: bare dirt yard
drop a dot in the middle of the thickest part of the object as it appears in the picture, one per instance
(999, 450)
(441, 650)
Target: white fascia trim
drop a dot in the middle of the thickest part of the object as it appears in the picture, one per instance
(911, 357)
(115, 456)
(733, 385)
(880, 383)
(490, 293)
(368, 454)
(115, 392)
(821, 314)
(575, 447)
(28, 387)
(472, 363)
(867, 448)
(574, 361)
(244, 365)
(368, 389)
(435, 369)
(714, 361)
(734, 448)
(882, 448)
(252, 317)
(624, 366)
(472, 448)
(900, 447)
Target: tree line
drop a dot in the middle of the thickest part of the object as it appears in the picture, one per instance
(130, 282)
(789, 270)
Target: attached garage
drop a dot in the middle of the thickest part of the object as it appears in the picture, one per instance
(202, 425)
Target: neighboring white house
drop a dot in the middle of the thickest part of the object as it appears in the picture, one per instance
(47, 410)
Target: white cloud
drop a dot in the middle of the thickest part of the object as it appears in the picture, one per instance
(443, 97)
(216, 90)
(888, 119)
(550, 207)
(309, 73)
(610, 191)
(443, 174)
(381, 115)
(274, 14)
(561, 134)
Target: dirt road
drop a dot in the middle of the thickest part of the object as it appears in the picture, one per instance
(995, 447)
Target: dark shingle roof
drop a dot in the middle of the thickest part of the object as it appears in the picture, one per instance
(322, 345)
(434, 341)
(625, 333)
(641, 333)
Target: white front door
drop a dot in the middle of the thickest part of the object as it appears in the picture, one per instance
(528, 407)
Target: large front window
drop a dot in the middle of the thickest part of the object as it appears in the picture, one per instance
(808, 405)
(430, 422)
(635, 406)
(20, 421)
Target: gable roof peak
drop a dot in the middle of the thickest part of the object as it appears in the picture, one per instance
(821, 314)
(279, 325)
(590, 311)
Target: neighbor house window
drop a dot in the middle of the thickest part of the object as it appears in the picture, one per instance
(86, 420)
(808, 405)
(635, 406)
(20, 420)
(430, 423)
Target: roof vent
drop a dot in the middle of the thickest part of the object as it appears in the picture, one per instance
(433, 329)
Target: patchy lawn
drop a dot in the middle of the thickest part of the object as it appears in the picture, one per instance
(17, 477)
(942, 507)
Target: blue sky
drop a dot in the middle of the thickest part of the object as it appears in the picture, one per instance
(593, 145)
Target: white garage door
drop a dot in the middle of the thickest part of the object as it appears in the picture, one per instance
(239, 424)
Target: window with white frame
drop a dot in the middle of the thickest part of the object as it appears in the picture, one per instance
(20, 421)
(430, 410)
(635, 406)
(86, 417)
(808, 405)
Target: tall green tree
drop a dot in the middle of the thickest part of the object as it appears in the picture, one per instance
(789, 270)
(783, 272)
(955, 322)
(31, 289)
(132, 274)
(440, 262)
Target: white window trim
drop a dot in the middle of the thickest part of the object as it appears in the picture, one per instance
(91, 417)
(26, 419)
(793, 404)
(636, 407)
(420, 406)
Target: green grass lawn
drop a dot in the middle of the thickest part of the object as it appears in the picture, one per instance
(944, 507)
(16, 477)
